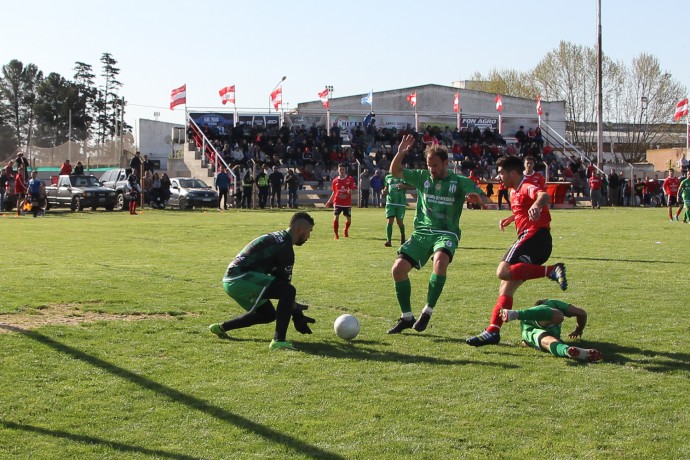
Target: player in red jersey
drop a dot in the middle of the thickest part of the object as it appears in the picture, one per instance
(341, 199)
(532, 176)
(671, 185)
(524, 259)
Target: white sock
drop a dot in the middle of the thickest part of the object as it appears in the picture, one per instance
(408, 315)
(428, 310)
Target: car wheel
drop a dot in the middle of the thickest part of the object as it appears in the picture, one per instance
(76, 204)
(120, 202)
(182, 203)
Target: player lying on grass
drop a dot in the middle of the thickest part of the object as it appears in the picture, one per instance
(263, 271)
(541, 328)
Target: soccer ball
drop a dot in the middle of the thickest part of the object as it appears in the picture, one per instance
(346, 327)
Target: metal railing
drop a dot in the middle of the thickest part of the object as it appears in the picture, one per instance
(213, 157)
(564, 142)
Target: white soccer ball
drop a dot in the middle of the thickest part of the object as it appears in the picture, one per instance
(346, 327)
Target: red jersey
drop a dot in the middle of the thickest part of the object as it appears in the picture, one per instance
(521, 199)
(594, 183)
(341, 187)
(536, 179)
(671, 185)
(19, 185)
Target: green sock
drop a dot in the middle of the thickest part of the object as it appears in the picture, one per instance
(436, 283)
(389, 231)
(402, 232)
(559, 349)
(540, 313)
(403, 290)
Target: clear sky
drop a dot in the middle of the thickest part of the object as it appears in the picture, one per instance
(354, 45)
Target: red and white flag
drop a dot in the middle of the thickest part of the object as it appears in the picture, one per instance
(277, 97)
(456, 102)
(323, 95)
(227, 94)
(681, 109)
(178, 96)
(412, 99)
(499, 103)
(540, 112)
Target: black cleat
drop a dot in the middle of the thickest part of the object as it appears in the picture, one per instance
(558, 275)
(485, 338)
(421, 324)
(402, 324)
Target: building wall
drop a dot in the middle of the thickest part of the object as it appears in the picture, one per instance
(662, 158)
(155, 140)
(436, 101)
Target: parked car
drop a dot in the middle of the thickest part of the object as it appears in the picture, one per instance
(116, 179)
(79, 192)
(187, 192)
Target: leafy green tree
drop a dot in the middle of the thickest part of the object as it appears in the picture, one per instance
(107, 101)
(84, 111)
(18, 87)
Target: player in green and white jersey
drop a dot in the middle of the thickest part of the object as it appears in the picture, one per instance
(684, 195)
(541, 328)
(396, 202)
(440, 198)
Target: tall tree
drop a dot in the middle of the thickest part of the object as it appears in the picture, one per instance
(84, 112)
(18, 86)
(107, 104)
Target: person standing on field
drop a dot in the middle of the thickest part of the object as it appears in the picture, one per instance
(541, 328)
(341, 199)
(396, 204)
(263, 271)
(440, 199)
(525, 257)
(670, 186)
(684, 196)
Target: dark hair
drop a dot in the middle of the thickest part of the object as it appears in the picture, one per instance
(436, 149)
(301, 216)
(510, 163)
(540, 302)
(342, 165)
(530, 158)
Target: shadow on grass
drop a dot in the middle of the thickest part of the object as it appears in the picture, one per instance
(356, 350)
(634, 261)
(179, 397)
(649, 360)
(118, 446)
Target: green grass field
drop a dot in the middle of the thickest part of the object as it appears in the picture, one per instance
(105, 353)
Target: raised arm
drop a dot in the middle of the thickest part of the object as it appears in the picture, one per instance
(404, 147)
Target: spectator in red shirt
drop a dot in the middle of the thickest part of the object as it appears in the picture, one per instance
(66, 168)
(20, 189)
(595, 184)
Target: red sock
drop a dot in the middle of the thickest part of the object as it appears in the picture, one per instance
(134, 207)
(347, 227)
(528, 271)
(335, 227)
(503, 301)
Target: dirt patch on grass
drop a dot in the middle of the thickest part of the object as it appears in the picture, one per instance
(70, 315)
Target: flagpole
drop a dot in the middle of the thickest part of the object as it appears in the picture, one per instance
(416, 118)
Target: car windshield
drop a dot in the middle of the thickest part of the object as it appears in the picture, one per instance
(192, 183)
(83, 181)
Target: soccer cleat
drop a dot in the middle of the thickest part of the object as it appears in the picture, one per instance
(216, 329)
(485, 338)
(387, 244)
(508, 315)
(583, 354)
(401, 325)
(558, 275)
(347, 235)
(336, 237)
(421, 324)
(281, 345)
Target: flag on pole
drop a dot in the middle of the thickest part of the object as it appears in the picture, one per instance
(540, 112)
(681, 109)
(412, 99)
(178, 96)
(456, 102)
(369, 98)
(323, 95)
(499, 103)
(277, 97)
(227, 94)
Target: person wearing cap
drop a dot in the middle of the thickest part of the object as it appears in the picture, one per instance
(20, 189)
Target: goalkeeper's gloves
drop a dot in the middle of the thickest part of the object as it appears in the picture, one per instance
(302, 322)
